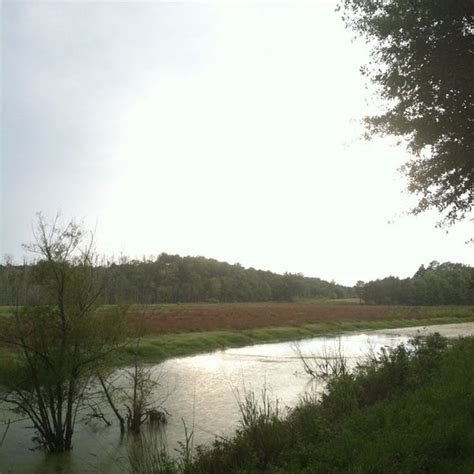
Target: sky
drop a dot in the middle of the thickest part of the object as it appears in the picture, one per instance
(225, 129)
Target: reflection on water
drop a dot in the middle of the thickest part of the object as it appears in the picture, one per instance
(201, 390)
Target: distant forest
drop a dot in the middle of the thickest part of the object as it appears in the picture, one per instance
(438, 284)
(175, 279)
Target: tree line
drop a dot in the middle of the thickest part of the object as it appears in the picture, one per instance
(437, 284)
(175, 279)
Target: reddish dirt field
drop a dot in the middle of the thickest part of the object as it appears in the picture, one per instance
(209, 317)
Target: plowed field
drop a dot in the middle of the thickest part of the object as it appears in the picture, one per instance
(209, 317)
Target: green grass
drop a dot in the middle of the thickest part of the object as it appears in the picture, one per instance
(155, 348)
(160, 347)
(411, 411)
(7, 310)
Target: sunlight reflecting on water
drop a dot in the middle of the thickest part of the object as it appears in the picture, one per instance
(203, 391)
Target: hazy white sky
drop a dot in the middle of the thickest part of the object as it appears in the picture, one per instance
(224, 129)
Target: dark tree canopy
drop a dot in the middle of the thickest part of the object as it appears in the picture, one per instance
(422, 63)
(437, 284)
(175, 279)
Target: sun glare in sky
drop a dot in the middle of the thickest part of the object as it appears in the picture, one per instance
(229, 130)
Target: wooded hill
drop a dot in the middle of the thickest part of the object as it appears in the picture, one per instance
(176, 279)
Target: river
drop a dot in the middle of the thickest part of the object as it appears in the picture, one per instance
(202, 390)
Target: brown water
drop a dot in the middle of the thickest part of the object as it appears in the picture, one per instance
(203, 391)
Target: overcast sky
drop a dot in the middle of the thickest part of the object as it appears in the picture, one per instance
(229, 130)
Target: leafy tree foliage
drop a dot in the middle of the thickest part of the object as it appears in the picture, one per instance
(438, 284)
(175, 279)
(58, 337)
(422, 62)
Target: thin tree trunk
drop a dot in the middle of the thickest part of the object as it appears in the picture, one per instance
(112, 404)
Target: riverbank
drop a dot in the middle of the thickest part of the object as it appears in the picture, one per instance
(409, 410)
(157, 347)
(202, 394)
(188, 329)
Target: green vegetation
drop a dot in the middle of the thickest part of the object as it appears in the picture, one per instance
(155, 348)
(421, 65)
(173, 279)
(164, 346)
(60, 340)
(7, 310)
(438, 284)
(408, 409)
(65, 335)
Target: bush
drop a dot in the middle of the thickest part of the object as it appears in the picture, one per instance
(409, 409)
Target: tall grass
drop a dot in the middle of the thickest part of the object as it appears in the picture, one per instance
(406, 409)
(258, 439)
(254, 411)
(410, 409)
(148, 453)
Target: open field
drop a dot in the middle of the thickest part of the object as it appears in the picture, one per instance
(176, 330)
(240, 316)
(173, 330)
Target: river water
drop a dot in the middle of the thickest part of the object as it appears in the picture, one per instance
(203, 391)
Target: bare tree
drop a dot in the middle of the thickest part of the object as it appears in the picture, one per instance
(132, 394)
(327, 364)
(59, 338)
(140, 405)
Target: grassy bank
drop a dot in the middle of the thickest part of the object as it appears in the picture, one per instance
(264, 322)
(409, 410)
(154, 348)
